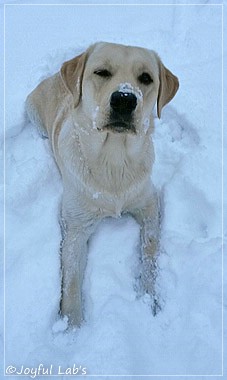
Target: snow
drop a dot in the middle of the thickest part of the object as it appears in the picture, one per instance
(120, 335)
(94, 117)
(128, 88)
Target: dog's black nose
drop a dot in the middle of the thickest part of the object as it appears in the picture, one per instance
(123, 102)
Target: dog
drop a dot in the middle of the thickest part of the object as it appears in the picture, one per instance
(97, 114)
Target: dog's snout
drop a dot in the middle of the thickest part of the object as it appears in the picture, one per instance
(123, 102)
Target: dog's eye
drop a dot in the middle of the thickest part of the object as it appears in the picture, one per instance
(145, 78)
(103, 73)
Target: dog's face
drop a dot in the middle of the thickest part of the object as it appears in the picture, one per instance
(115, 87)
(120, 87)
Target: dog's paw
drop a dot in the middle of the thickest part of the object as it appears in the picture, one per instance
(154, 302)
(147, 286)
(156, 305)
(61, 325)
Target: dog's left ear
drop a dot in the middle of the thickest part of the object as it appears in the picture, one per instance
(72, 75)
(168, 87)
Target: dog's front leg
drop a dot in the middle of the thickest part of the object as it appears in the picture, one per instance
(73, 261)
(148, 218)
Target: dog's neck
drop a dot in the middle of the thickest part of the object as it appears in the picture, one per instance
(114, 160)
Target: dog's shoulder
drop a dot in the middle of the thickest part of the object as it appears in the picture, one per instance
(46, 102)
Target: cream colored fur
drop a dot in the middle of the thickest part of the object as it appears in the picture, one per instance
(104, 173)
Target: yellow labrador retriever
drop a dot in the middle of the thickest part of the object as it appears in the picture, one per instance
(97, 113)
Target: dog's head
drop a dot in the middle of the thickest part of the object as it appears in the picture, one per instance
(115, 87)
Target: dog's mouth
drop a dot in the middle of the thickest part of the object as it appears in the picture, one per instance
(118, 122)
(119, 126)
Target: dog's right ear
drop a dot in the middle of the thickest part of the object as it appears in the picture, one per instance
(72, 75)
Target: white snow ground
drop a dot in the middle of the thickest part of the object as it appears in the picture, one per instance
(120, 335)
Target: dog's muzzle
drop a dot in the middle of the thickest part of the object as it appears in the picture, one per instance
(122, 105)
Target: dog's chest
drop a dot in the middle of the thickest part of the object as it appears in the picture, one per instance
(117, 179)
(110, 204)
(116, 166)
(116, 194)
(108, 207)
(108, 175)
